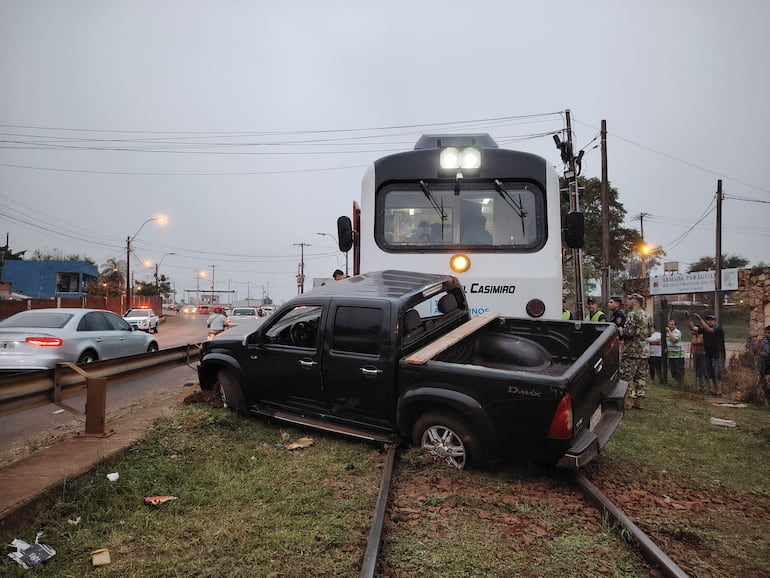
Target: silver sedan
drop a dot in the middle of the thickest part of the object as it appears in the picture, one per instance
(40, 338)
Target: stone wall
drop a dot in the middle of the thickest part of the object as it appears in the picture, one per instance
(756, 282)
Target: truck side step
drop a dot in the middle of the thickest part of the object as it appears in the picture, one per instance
(324, 425)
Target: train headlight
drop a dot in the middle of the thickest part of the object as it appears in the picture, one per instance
(460, 263)
(471, 158)
(449, 158)
(452, 158)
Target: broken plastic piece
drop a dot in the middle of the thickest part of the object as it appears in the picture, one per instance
(720, 421)
(158, 500)
(113, 477)
(29, 555)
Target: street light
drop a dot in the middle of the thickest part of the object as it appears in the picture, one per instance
(338, 244)
(162, 219)
(158, 264)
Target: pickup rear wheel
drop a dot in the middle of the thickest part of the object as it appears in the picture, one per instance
(230, 392)
(446, 436)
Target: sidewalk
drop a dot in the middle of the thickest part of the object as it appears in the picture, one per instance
(24, 480)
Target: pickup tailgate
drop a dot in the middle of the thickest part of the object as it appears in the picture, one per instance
(597, 395)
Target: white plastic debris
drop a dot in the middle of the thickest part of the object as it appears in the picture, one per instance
(29, 555)
(722, 422)
(113, 477)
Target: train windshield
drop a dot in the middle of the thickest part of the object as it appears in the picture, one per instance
(487, 216)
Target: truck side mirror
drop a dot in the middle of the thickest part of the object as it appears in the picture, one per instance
(574, 229)
(345, 233)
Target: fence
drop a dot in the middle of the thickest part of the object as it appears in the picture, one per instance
(117, 305)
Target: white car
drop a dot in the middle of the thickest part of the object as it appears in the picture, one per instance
(142, 318)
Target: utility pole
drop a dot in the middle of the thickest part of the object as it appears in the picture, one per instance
(718, 260)
(642, 254)
(301, 275)
(604, 190)
(574, 205)
(128, 274)
(212, 285)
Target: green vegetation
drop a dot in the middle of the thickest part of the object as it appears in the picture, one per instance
(246, 507)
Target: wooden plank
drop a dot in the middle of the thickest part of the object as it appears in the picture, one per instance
(422, 356)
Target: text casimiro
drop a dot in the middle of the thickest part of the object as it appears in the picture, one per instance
(492, 289)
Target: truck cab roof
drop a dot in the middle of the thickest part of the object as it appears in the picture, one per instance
(397, 286)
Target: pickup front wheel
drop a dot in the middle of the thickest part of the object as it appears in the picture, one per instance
(445, 436)
(230, 391)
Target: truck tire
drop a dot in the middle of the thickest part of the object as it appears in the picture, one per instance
(446, 436)
(230, 392)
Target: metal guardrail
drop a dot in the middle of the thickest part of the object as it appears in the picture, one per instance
(28, 390)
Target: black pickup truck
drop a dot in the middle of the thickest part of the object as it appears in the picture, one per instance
(395, 355)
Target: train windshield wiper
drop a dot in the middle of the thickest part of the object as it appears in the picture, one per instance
(438, 207)
(518, 207)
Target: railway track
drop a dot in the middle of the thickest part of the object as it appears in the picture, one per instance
(651, 551)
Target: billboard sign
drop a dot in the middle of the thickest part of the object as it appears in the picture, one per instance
(699, 282)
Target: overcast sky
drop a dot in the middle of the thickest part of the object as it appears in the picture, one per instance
(249, 123)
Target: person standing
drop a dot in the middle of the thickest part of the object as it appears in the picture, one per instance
(566, 314)
(617, 316)
(594, 313)
(656, 355)
(714, 346)
(636, 351)
(698, 353)
(675, 352)
(760, 349)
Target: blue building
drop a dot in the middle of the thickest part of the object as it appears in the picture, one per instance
(45, 279)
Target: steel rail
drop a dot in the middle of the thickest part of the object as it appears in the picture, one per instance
(28, 390)
(650, 550)
(375, 532)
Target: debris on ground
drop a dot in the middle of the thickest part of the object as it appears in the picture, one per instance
(300, 443)
(113, 477)
(29, 555)
(722, 422)
(158, 500)
(100, 557)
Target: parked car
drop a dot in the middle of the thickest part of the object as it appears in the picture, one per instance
(40, 338)
(395, 355)
(143, 319)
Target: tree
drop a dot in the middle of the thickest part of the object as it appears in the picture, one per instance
(708, 263)
(625, 244)
(7, 255)
(58, 255)
(148, 288)
(112, 279)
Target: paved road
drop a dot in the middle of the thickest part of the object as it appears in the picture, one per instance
(22, 432)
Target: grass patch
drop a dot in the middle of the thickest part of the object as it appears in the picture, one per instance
(248, 508)
(245, 507)
(672, 435)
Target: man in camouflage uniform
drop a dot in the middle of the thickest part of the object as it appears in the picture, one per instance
(636, 350)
